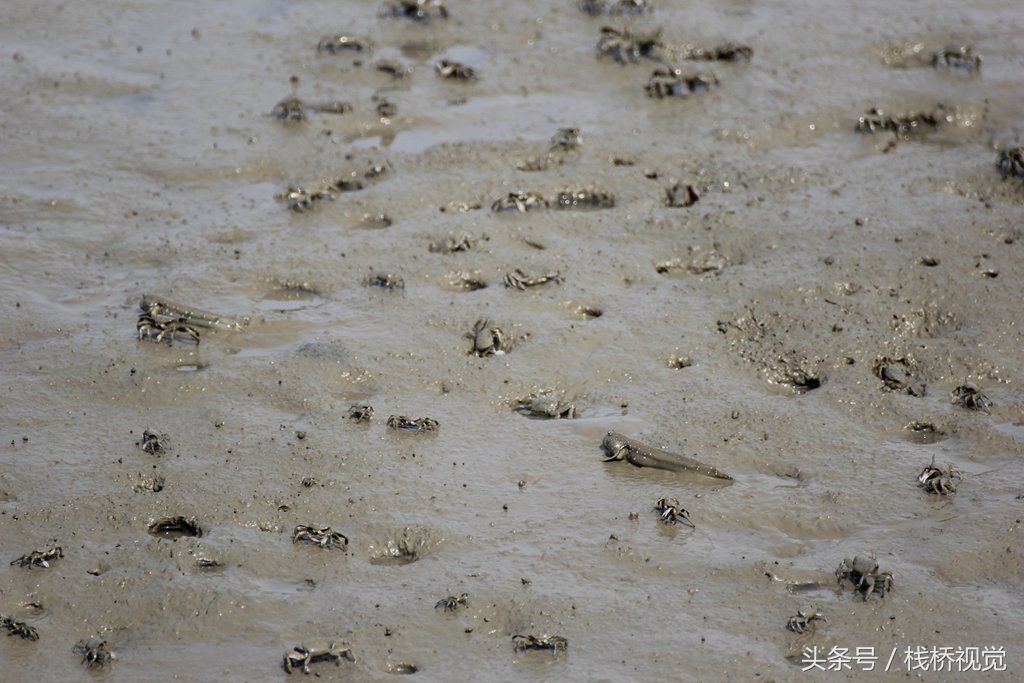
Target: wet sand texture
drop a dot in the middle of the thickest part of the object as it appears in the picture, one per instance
(672, 230)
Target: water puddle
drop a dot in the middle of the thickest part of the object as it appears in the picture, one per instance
(532, 117)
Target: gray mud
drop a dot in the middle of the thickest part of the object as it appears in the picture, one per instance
(140, 157)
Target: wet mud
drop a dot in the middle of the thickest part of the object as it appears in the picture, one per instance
(781, 239)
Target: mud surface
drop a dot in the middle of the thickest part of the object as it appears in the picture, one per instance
(824, 290)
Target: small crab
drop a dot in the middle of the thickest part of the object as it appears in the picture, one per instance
(901, 125)
(19, 628)
(360, 412)
(863, 573)
(566, 139)
(342, 43)
(585, 199)
(939, 481)
(488, 339)
(670, 82)
(319, 650)
(680, 195)
(39, 558)
(452, 244)
(726, 52)
(94, 651)
(299, 199)
(451, 603)
(388, 281)
(417, 10)
(520, 202)
(178, 328)
(898, 375)
(672, 512)
(969, 396)
(960, 57)
(803, 622)
(290, 109)
(150, 326)
(323, 536)
(1010, 161)
(413, 424)
(544, 642)
(153, 442)
(465, 280)
(545, 404)
(732, 52)
(446, 68)
(520, 279)
(623, 46)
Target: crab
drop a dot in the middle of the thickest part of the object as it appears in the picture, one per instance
(670, 82)
(318, 650)
(726, 52)
(732, 52)
(323, 536)
(360, 412)
(680, 195)
(896, 375)
(154, 442)
(672, 512)
(40, 558)
(94, 651)
(520, 202)
(413, 424)
(388, 281)
(1010, 161)
(151, 326)
(939, 481)
(488, 339)
(179, 328)
(175, 527)
(386, 110)
(299, 199)
(447, 68)
(451, 603)
(544, 642)
(901, 125)
(453, 243)
(863, 573)
(342, 43)
(623, 46)
(803, 622)
(969, 396)
(19, 628)
(566, 139)
(545, 404)
(957, 57)
(417, 10)
(521, 280)
(585, 199)
(290, 109)
(464, 280)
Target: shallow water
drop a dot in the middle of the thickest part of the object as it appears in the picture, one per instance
(140, 158)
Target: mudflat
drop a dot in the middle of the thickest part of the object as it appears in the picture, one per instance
(422, 262)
